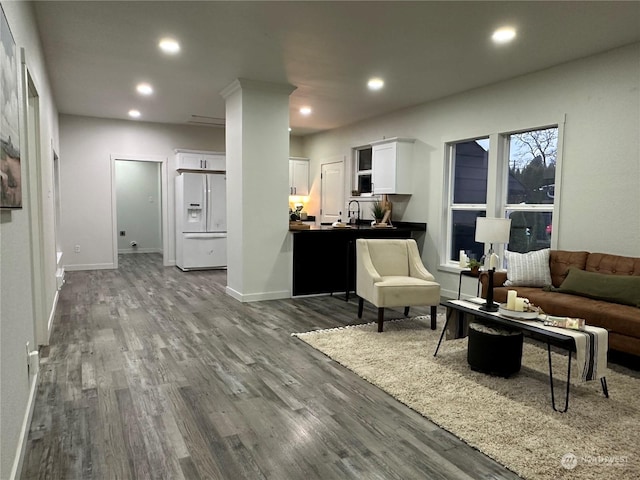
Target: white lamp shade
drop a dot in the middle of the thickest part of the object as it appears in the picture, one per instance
(492, 230)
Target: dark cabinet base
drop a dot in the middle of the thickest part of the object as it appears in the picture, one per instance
(324, 260)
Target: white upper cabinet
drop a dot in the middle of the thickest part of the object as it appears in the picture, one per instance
(298, 176)
(391, 170)
(195, 160)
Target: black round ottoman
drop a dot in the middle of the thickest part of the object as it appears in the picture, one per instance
(493, 350)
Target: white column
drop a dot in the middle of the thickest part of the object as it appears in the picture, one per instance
(257, 151)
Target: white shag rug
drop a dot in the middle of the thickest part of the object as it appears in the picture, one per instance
(510, 420)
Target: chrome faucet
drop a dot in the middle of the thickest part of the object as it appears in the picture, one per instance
(355, 219)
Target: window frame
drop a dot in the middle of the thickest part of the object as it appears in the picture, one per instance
(497, 188)
(356, 173)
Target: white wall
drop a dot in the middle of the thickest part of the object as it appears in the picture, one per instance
(138, 206)
(16, 279)
(600, 194)
(296, 146)
(86, 146)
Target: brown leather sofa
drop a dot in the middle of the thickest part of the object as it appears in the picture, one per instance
(622, 321)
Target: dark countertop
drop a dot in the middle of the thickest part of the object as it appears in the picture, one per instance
(397, 226)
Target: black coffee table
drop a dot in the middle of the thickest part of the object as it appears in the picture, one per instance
(529, 329)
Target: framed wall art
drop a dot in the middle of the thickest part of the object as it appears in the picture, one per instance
(10, 169)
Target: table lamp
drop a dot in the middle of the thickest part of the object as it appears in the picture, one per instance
(492, 230)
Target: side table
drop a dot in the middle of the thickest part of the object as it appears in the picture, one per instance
(468, 273)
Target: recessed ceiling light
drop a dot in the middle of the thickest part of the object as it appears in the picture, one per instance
(305, 110)
(144, 89)
(169, 45)
(134, 113)
(504, 35)
(375, 84)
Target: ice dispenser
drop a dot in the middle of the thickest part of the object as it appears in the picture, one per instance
(194, 213)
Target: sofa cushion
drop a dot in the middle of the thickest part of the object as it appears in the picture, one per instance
(529, 269)
(622, 319)
(613, 264)
(624, 289)
(561, 260)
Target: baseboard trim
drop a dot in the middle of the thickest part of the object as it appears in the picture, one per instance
(89, 266)
(16, 471)
(52, 315)
(257, 297)
(139, 250)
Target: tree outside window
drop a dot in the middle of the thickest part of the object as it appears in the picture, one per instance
(531, 188)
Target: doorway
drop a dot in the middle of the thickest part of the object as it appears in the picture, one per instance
(332, 192)
(42, 317)
(139, 210)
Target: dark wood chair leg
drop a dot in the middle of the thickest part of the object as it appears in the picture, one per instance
(434, 315)
(406, 311)
(380, 318)
(360, 306)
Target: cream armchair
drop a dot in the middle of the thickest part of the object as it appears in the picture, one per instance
(390, 273)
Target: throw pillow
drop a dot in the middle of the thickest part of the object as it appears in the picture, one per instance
(529, 269)
(624, 289)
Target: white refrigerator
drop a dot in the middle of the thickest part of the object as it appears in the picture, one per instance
(201, 221)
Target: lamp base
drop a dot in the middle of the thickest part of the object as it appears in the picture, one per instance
(490, 306)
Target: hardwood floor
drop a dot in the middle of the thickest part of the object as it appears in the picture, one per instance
(156, 373)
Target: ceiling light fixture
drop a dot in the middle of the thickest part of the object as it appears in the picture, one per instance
(305, 110)
(134, 113)
(375, 84)
(504, 35)
(144, 89)
(169, 45)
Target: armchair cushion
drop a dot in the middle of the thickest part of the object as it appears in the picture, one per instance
(393, 291)
(390, 257)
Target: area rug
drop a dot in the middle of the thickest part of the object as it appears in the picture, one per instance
(510, 420)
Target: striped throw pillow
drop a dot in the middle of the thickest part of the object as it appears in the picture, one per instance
(529, 269)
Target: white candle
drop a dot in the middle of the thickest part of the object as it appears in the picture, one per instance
(511, 299)
(463, 259)
(519, 307)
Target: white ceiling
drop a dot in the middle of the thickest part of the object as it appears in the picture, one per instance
(97, 52)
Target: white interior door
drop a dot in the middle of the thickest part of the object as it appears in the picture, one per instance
(332, 192)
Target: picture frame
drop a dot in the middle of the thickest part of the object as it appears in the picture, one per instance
(10, 166)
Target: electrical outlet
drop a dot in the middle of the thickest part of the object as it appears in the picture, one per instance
(76, 249)
(122, 233)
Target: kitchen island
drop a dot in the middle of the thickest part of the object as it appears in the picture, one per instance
(324, 258)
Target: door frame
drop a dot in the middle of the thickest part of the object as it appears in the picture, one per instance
(164, 190)
(33, 180)
(330, 161)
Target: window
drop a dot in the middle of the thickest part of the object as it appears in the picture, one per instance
(523, 189)
(531, 188)
(469, 168)
(363, 170)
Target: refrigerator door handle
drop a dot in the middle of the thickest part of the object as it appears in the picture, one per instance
(204, 235)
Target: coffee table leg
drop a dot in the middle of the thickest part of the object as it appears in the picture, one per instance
(605, 389)
(553, 400)
(444, 329)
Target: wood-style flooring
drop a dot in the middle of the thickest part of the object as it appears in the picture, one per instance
(153, 373)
